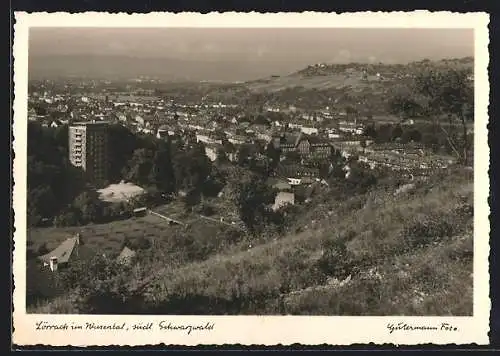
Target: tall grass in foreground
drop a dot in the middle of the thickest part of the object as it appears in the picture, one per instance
(375, 254)
(408, 255)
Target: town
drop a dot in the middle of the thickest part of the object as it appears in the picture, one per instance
(224, 128)
(142, 173)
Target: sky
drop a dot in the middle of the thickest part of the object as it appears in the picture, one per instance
(278, 50)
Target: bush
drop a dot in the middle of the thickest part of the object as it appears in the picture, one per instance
(429, 229)
(71, 217)
(42, 249)
(138, 243)
(336, 260)
(102, 285)
(207, 210)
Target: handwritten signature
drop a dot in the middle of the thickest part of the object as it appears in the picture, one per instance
(402, 326)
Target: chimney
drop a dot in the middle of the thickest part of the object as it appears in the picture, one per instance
(53, 264)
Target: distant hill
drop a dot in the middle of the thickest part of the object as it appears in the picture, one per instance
(323, 76)
(226, 70)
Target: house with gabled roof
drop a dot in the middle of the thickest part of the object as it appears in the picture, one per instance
(68, 251)
(126, 256)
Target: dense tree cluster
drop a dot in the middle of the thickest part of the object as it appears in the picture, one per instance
(446, 96)
(52, 181)
(57, 190)
(253, 201)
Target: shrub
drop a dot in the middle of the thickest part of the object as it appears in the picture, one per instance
(335, 260)
(102, 285)
(138, 243)
(429, 229)
(42, 249)
(207, 210)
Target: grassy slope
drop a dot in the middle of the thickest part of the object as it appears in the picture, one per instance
(339, 78)
(414, 256)
(405, 255)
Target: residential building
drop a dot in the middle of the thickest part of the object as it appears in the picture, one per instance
(68, 251)
(211, 151)
(294, 172)
(282, 199)
(88, 150)
(305, 145)
(126, 256)
(319, 147)
(309, 130)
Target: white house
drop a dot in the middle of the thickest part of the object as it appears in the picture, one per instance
(294, 181)
(282, 199)
(211, 153)
(139, 120)
(309, 130)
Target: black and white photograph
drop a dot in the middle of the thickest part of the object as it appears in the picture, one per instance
(253, 171)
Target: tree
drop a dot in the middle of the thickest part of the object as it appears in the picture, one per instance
(71, 217)
(397, 132)
(361, 177)
(122, 143)
(384, 133)
(139, 166)
(370, 131)
(41, 204)
(274, 154)
(252, 200)
(222, 156)
(138, 243)
(61, 136)
(102, 285)
(90, 206)
(42, 249)
(448, 93)
(411, 135)
(192, 170)
(245, 154)
(262, 120)
(52, 181)
(404, 106)
(351, 111)
(207, 210)
(162, 173)
(192, 198)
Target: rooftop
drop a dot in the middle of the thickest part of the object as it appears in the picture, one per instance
(126, 255)
(70, 248)
(122, 191)
(88, 123)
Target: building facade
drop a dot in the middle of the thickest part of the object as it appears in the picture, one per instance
(88, 150)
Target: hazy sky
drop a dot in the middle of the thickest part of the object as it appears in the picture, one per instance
(281, 49)
(318, 44)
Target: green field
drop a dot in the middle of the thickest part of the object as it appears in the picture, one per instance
(108, 238)
(105, 238)
(335, 81)
(407, 255)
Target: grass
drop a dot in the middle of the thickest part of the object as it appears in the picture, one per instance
(336, 81)
(172, 245)
(396, 255)
(108, 236)
(412, 254)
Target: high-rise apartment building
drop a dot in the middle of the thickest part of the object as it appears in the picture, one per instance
(88, 149)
